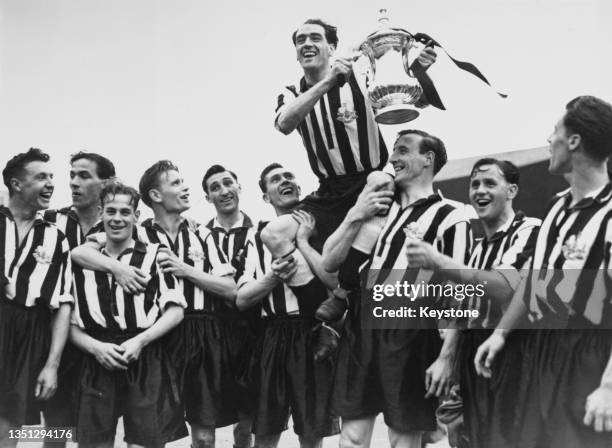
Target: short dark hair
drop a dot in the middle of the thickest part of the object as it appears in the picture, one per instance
(264, 173)
(150, 178)
(104, 167)
(591, 118)
(331, 32)
(215, 169)
(508, 169)
(15, 166)
(429, 143)
(114, 187)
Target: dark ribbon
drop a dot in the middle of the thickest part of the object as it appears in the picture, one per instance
(428, 87)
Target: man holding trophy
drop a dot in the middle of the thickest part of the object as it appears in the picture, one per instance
(331, 109)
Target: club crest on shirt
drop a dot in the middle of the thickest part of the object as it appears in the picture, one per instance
(574, 248)
(413, 231)
(346, 114)
(195, 254)
(42, 256)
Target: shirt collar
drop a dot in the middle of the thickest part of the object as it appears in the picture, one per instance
(139, 247)
(39, 218)
(600, 196)
(243, 223)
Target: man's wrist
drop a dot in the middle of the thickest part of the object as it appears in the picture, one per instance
(502, 333)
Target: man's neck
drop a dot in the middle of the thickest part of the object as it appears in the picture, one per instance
(586, 178)
(21, 212)
(493, 225)
(228, 220)
(283, 210)
(116, 248)
(169, 221)
(88, 216)
(314, 75)
(414, 191)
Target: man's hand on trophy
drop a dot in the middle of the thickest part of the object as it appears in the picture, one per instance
(341, 70)
(427, 56)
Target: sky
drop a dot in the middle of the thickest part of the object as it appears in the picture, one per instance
(197, 81)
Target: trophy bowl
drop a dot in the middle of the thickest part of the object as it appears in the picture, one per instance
(393, 90)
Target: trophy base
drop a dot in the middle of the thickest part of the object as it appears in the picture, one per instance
(396, 114)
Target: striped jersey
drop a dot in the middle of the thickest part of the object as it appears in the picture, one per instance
(340, 134)
(441, 222)
(232, 245)
(506, 251)
(282, 300)
(570, 282)
(101, 303)
(37, 270)
(190, 248)
(67, 221)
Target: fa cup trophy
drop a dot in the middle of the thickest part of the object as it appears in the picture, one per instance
(391, 84)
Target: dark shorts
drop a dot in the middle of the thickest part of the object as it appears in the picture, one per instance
(25, 337)
(490, 405)
(384, 371)
(288, 381)
(209, 353)
(560, 370)
(59, 409)
(146, 396)
(332, 200)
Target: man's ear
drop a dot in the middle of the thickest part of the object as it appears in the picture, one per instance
(207, 198)
(512, 191)
(430, 157)
(15, 184)
(266, 198)
(155, 195)
(137, 214)
(574, 141)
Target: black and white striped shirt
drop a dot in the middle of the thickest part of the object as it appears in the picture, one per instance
(441, 222)
(101, 303)
(281, 301)
(37, 270)
(232, 244)
(192, 250)
(570, 283)
(67, 221)
(506, 251)
(337, 147)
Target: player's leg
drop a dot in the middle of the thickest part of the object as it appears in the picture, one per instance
(242, 431)
(410, 439)
(310, 442)
(357, 433)
(202, 437)
(267, 441)
(5, 437)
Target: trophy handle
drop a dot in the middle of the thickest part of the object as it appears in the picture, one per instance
(409, 45)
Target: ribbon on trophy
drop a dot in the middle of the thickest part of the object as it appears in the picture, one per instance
(429, 88)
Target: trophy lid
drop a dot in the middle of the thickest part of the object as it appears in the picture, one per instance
(386, 37)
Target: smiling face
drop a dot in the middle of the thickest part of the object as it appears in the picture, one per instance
(119, 217)
(35, 185)
(561, 146)
(313, 50)
(85, 184)
(171, 192)
(223, 192)
(407, 160)
(490, 192)
(282, 191)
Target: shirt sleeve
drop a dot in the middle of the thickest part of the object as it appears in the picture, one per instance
(169, 288)
(62, 293)
(521, 250)
(284, 98)
(252, 269)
